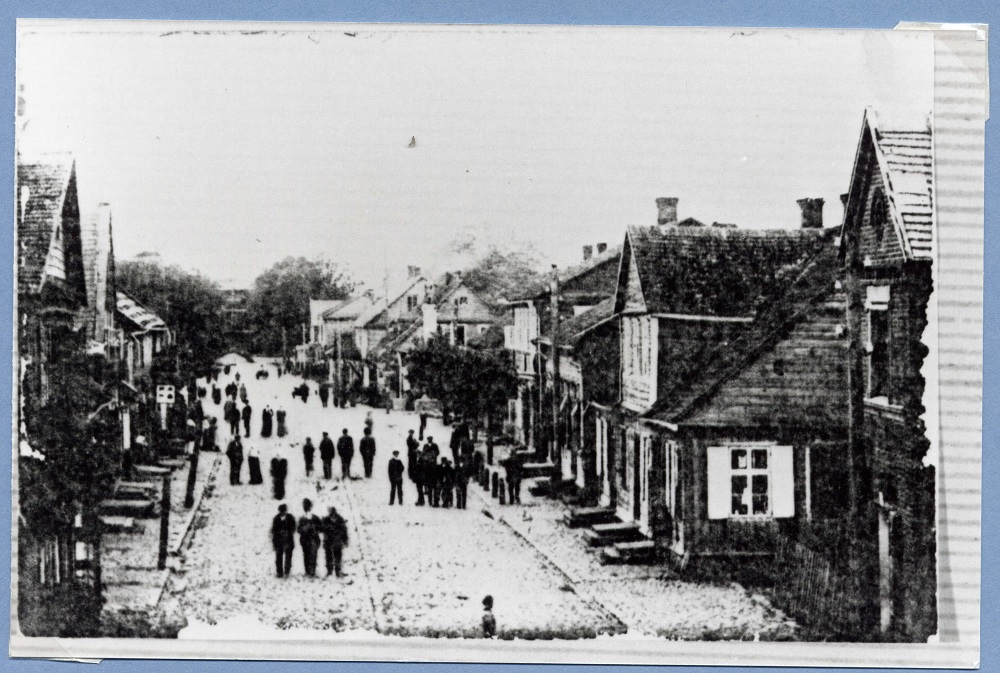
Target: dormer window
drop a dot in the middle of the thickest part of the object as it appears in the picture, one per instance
(878, 216)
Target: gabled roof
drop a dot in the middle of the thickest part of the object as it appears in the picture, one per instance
(596, 276)
(138, 314)
(906, 161)
(45, 183)
(395, 340)
(571, 331)
(380, 307)
(348, 309)
(478, 311)
(814, 283)
(713, 271)
(318, 307)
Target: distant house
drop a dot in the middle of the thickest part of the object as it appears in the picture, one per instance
(580, 287)
(145, 335)
(588, 380)
(55, 552)
(733, 409)
(887, 250)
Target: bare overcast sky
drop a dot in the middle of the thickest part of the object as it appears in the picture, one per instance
(226, 152)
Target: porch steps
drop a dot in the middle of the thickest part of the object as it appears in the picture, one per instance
(119, 524)
(640, 552)
(135, 490)
(532, 470)
(138, 508)
(172, 463)
(151, 470)
(584, 517)
(607, 534)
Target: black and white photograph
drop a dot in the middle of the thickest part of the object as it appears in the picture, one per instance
(482, 336)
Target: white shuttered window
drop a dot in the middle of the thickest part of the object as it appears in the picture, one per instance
(750, 481)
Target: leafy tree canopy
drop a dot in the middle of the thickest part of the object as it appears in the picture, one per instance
(500, 273)
(189, 303)
(279, 299)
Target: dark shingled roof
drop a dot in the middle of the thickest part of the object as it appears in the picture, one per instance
(395, 340)
(572, 330)
(714, 271)
(596, 275)
(45, 181)
(814, 283)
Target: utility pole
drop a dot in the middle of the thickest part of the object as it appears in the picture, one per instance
(340, 369)
(556, 455)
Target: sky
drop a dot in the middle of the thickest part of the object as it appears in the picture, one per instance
(226, 150)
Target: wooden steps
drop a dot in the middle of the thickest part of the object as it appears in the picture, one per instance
(119, 524)
(607, 534)
(151, 470)
(584, 517)
(139, 508)
(135, 490)
(640, 552)
(535, 469)
(172, 463)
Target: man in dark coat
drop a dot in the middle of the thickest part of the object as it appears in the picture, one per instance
(334, 540)
(266, 422)
(231, 416)
(208, 436)
(367, 451)
(326, 453)
(216, 394)
(283, 540)
(513, 466)
(309, 530)
(279, 470)
(446, 480)
(345, 449)
(395, 478)
(413, 465)
(308, 451)
(246, 413)
(324, 394)
(423, 425)
(462, 483)
(458, 436)
(235, 454)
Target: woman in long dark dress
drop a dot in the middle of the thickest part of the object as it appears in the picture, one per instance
(266, 422)
(253, 461)
(279, 470)
(282, 430)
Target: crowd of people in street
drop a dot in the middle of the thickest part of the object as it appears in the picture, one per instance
(329, 531)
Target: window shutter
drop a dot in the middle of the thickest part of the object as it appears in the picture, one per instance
(782, 482)
(719, 487)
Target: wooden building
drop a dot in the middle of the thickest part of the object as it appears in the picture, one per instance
(733, 406)
(887, 251)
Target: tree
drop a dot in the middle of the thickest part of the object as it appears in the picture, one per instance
(189, 303)
(279, 299)
(473, 382)
(500, 274)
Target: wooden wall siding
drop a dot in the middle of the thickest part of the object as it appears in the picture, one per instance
(598, 353)
(639, 348)
(634, 301)
(734, 536)
(884, 251)
(803, 380)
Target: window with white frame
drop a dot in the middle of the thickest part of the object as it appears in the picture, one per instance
(638, 346)
(750, 481)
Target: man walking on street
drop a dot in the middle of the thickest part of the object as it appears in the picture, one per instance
(413, 465)
(423, 424)
(326, 455)
(395, 478)
(247, 412)
(334, 540)
(283, 540)
(235, 454)
(308, 451)
(345, 449)
(461, 483)
(309, 525)
(324, 394)
(367, 450)
(458, 436)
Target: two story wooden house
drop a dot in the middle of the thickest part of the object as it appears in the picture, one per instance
(887, 251)
(578, 288)
(52, 541)
(733, 388)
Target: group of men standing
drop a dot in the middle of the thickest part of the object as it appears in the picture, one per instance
(344, 449)
(330, 531)
(441, 482)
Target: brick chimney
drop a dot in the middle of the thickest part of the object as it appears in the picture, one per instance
(602, 248)
(588, 252)
(667, 210)
(812, 213)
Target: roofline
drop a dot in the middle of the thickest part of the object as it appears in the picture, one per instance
(655, 421)
(701, 318)
(883, 169)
